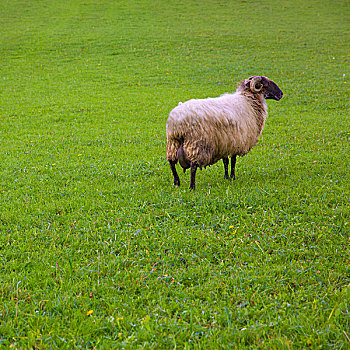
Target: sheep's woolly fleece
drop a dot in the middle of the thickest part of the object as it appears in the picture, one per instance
(213, 128)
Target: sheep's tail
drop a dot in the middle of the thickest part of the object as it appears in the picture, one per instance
(173, 144)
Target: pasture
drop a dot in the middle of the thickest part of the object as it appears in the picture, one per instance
(99, 249)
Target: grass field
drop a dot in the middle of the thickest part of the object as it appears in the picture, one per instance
(98, 249)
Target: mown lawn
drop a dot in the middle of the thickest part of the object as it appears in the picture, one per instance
(98, 249)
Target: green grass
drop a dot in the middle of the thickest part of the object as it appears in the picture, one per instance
(98, 249)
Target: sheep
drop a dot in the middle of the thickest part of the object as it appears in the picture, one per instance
(200, 132)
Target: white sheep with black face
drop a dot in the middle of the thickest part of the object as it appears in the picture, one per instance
(203, 131)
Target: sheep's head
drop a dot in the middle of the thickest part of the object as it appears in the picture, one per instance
(264, 86)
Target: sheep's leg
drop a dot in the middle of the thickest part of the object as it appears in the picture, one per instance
(173, 169)
(226, 161)
(194, 167)
(233, 165)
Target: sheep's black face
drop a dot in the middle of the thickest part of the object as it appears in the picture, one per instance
(264, 86)
(270, 89)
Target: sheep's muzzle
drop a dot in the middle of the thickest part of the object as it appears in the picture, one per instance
(271, 90)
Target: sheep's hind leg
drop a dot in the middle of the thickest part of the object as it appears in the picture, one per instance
(173, 169)
(194, 167)
(233, 165)
(226, 161)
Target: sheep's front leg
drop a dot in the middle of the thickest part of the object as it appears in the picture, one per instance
(233, 165)
(226, 161)
(173, 169)
(194, 167)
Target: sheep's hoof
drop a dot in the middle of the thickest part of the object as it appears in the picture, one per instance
(192, 187)
(226, 177)
(177, 182)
